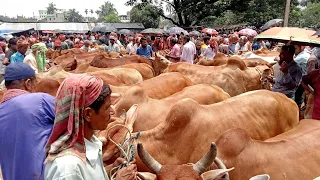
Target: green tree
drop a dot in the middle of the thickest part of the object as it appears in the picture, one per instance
(75, 16)
(311, 15)
(51, 8)
(86, 12)
(147, 14)
(191, 12)
(112, 18)
(91, 11)
(106, 9)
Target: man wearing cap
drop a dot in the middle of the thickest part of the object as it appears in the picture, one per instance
(26, 121)
(113, 47)
(22, 48)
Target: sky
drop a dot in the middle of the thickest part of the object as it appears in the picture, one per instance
(13, 8)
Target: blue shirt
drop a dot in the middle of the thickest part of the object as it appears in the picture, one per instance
(16, 57)
(302, 59)
(147, 52)
(26, 122)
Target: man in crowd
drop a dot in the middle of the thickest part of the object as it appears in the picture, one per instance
(188, 51)
(301, 59)
(86, 47)
(312, 79)
(130, 47)
(26, 121)
(113, 46)
(37, 58)
(22, 48)
(174, 55)
(12, 45)
(289, 79)
(145, 49)
(83, 106)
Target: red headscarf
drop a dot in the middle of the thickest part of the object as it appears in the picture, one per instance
(2, 47)
(22, 44)
(32, 41)
(75, 93)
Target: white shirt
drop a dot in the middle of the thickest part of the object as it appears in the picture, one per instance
(130, 48)
(188, 52)
(243, 48)
(113, 48)
(31, 61)
(72, 168)
(209, 53)
(87, 49)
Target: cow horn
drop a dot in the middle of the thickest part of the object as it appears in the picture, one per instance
(221, 165)
(148, 160)
(203, 164)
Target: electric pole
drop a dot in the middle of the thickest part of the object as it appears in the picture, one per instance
(286, 14)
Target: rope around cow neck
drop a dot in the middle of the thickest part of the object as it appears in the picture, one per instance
(127, 149)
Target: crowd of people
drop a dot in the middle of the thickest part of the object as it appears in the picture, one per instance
(53, 138)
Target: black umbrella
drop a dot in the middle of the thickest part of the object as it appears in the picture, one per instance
(105, 29)
(125, 31)
(96, 28)
(271, 23)
(176, 30)
(153, 31)
(194, 33)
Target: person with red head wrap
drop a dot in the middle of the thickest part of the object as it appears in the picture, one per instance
(22, 48)
(82, 106)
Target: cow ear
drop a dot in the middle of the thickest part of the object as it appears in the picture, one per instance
(215, 174)
(146, 176)
(261, 177)
(131, 116)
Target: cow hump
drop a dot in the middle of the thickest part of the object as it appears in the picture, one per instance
(232, 142)
(236, 62)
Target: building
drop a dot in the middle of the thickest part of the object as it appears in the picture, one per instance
(114, 27)
(42, 14)
(125, 18)
(60, 15)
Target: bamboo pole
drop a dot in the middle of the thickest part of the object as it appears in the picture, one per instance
(286, 13)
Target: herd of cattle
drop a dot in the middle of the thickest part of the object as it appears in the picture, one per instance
(195, 121)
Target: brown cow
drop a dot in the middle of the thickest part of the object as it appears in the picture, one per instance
(187, 171)
(235, 77)
(189, 127)
(292, 155)
(103, 61)
(68, 55)
(160, 108)
(127, 75)
(159, 87)
(48, 86)
(252, 62)
(145, 70)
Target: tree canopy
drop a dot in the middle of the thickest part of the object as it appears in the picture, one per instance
(186, 13)
(106, 9)
(75, 16)
(51, 8)
(112, 18)
(147, 14)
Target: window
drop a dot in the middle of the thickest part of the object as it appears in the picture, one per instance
(50, 19)
(54, 18)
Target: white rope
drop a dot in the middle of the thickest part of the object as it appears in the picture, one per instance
(127, 149)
